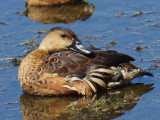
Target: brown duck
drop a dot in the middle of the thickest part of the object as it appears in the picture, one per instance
(62, 65)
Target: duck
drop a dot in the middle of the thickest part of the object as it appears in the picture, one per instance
(49, 2)
(62, 65)
(60, 14)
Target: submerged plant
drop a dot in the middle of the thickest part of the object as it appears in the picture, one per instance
(139, 48)
(137, 14)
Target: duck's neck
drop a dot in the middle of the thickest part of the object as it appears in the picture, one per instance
(38, 54)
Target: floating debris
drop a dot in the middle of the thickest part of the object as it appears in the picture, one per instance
(17, 12)
(139, 42)
(147, 47)
(93, 47)
(149, 20)
(139, 48)
(6, 35)
(14, 61)
(108, 46)
(16, 102)
(3, 23)
(41, 31)
(156, 61)
(127, 28)
(2, 90)
(25, 12)
(6, 42)
(153, 67)
(92, 37)
(113, 43)
(31, 42)
(137, 14)
(156, 25)
(28, 42)
(6, 59)
(119, 14)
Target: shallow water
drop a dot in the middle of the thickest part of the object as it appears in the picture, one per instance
(96, 23)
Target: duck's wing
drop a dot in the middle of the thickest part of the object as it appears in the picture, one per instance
(67, 63)
(100, 71)
(110, 58)
(73, 64)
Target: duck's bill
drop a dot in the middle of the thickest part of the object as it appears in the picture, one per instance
(79, 47)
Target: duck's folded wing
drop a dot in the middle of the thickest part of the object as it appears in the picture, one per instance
(74, 64)
(110, 58)
(88, 74)
(67, 63)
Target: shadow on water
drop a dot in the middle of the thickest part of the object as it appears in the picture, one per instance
(59, 14)
(108, 105)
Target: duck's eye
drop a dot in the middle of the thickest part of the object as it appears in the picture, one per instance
(63, 35)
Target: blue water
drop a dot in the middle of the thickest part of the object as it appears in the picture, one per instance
(104, 26)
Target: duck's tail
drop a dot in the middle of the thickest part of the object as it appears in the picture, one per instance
(144, 72)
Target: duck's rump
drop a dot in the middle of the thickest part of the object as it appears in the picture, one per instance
(73, 64)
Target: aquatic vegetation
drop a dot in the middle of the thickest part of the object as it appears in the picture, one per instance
(119, 14)
(153, 67)
(14, 61)
(31, 42)
(113, 43)
(157, 60)
(137, 14)
(3, 23)
(156, 25)
(139, 48)
(41, 31)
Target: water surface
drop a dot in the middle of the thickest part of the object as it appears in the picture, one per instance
(129, 23)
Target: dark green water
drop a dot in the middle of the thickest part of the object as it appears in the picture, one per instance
(129, 23)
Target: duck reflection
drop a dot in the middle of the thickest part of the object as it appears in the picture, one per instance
(108, 105)
(59, 14)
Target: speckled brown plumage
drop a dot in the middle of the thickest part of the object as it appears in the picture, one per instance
(49, 2)
(72, 63)
(63, 66)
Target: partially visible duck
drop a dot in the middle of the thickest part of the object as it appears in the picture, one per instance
(49, 2)
(62, 65)
(60, 14)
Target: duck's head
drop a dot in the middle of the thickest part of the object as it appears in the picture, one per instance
(61, 39)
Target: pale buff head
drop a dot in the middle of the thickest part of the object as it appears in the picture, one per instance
(61, 39)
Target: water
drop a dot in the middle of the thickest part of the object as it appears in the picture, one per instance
(97, 23)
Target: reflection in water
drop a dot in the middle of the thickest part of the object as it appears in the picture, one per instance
(60, 14)
(108, 105)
